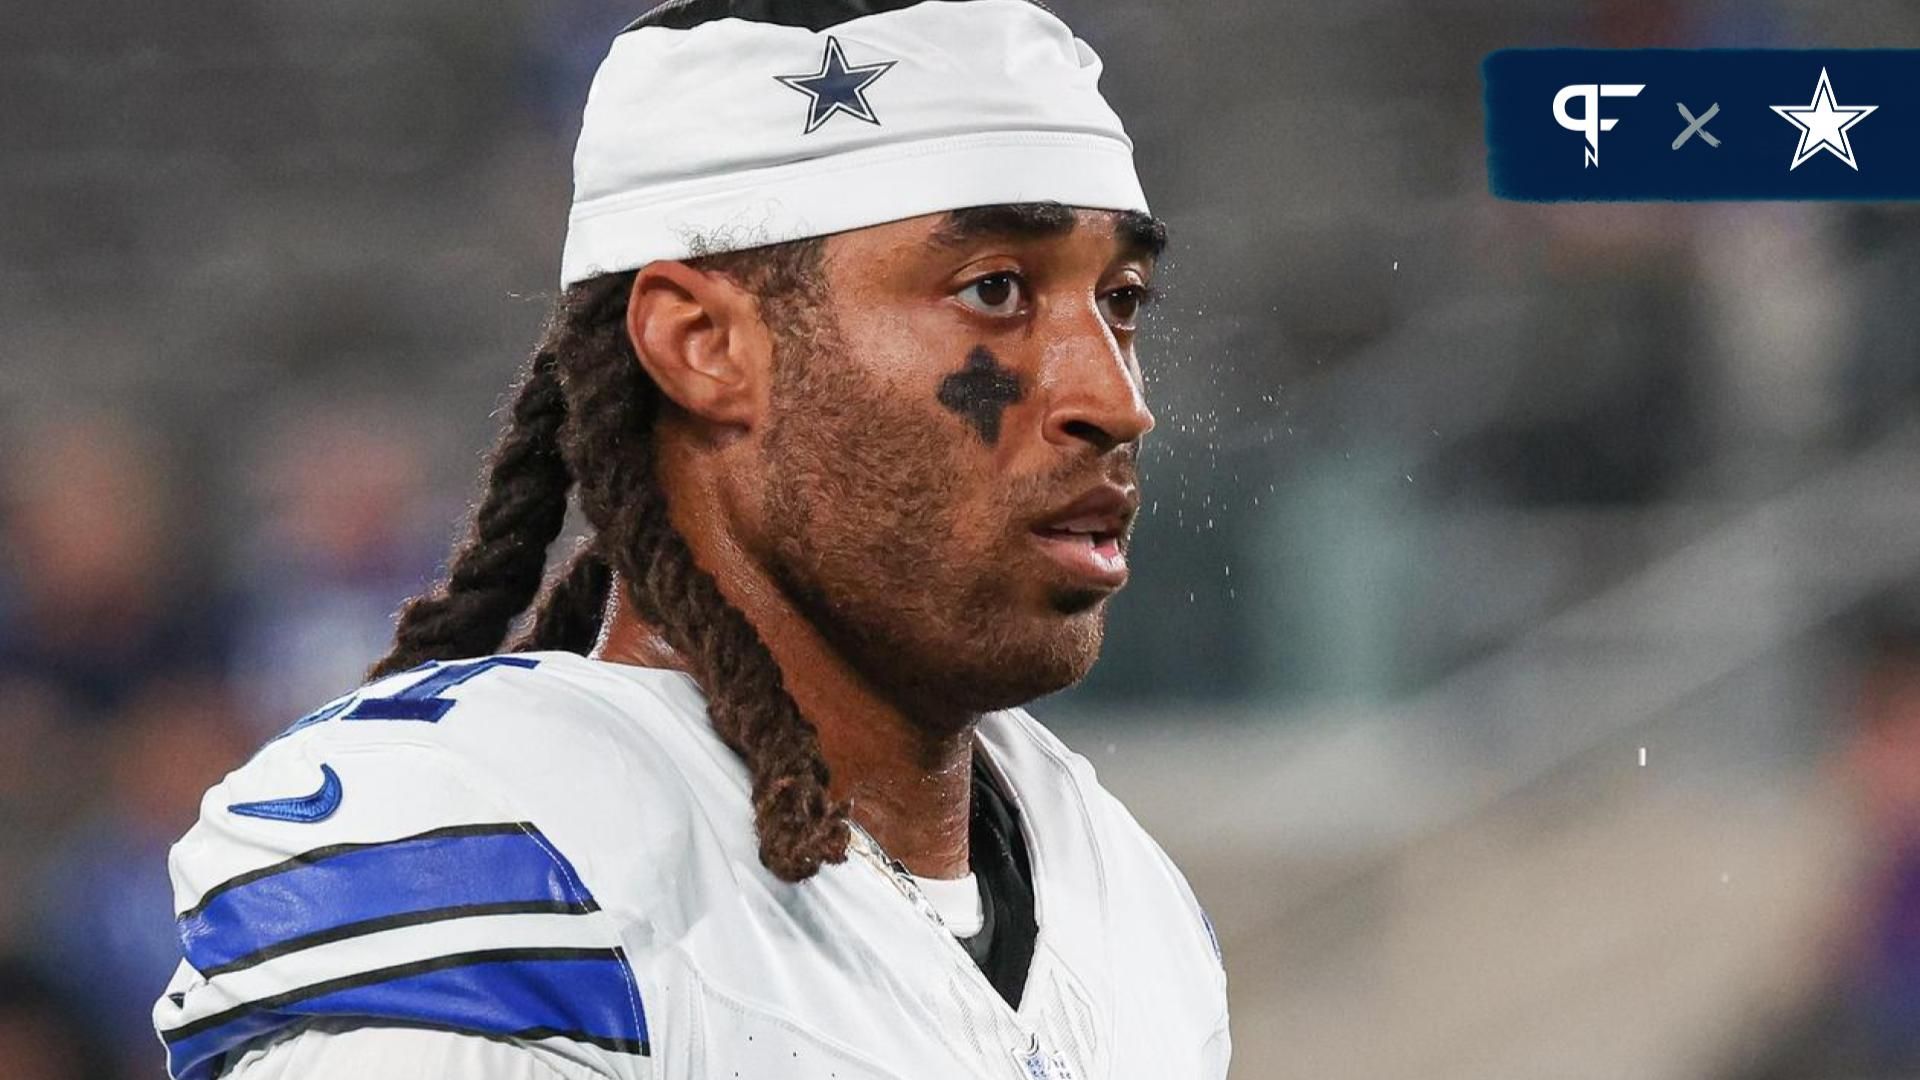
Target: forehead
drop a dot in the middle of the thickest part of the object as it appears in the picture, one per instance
(1117, 233)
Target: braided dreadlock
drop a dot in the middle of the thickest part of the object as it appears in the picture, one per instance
(582, 421)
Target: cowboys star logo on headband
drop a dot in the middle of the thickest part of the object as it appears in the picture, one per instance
(837, 88)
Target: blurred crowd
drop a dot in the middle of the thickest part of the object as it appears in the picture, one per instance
(265, 269)
(135, 670)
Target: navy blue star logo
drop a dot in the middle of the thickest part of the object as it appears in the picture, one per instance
(837, 88)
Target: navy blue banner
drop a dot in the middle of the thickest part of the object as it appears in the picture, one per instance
(1610, 124)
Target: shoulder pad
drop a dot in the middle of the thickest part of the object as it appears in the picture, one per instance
(379, 872)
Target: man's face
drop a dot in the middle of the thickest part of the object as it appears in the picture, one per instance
(950, 466)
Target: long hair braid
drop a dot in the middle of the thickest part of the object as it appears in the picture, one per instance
(608, 406)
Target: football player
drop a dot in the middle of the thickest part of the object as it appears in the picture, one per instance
(842, 379)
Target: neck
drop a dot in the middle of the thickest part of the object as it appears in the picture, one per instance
(906, 776)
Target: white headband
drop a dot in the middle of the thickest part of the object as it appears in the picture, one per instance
(736, 133)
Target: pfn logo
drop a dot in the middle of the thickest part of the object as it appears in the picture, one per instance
(1589, 122)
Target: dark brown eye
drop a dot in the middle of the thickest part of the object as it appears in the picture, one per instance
(1123, 306)
(995, 294)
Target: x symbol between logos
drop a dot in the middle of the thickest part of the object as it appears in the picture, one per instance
(1697, 126)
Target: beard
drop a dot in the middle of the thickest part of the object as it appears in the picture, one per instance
(884, 534)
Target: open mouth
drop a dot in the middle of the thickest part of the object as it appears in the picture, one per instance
(1094, 555)
(1101, 536)
(1085, 537)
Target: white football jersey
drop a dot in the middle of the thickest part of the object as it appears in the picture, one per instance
(558, 854)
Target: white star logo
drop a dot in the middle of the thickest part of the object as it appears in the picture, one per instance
(1823, 125)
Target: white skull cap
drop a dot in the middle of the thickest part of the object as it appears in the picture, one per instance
(718, 125)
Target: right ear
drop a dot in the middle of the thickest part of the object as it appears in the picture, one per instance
(700, 338)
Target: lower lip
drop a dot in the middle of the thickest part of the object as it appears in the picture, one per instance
(1098, 563)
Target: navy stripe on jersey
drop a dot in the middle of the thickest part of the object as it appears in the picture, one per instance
(587, 995)
(334, 893)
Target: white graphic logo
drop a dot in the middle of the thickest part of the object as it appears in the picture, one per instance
(1823, 125)
(1589, 122)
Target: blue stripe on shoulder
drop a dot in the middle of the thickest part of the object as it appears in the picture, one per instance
(347, 890)
(587, 995)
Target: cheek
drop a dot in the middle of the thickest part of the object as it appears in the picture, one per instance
(920, 512)
(877, 473)
(980, 392)
(866, 465)
(922, 354)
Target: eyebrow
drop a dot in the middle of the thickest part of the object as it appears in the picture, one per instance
(1139, 233)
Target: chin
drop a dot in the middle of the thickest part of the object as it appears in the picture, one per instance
(1019, 667)
(1070, 601)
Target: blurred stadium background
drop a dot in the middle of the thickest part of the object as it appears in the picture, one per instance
(1461, 511)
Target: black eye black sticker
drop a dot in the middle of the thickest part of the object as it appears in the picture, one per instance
(980, 392)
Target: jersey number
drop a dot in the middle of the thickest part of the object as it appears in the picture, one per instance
(422, 700)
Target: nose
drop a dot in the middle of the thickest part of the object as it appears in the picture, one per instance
(1095, 396)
